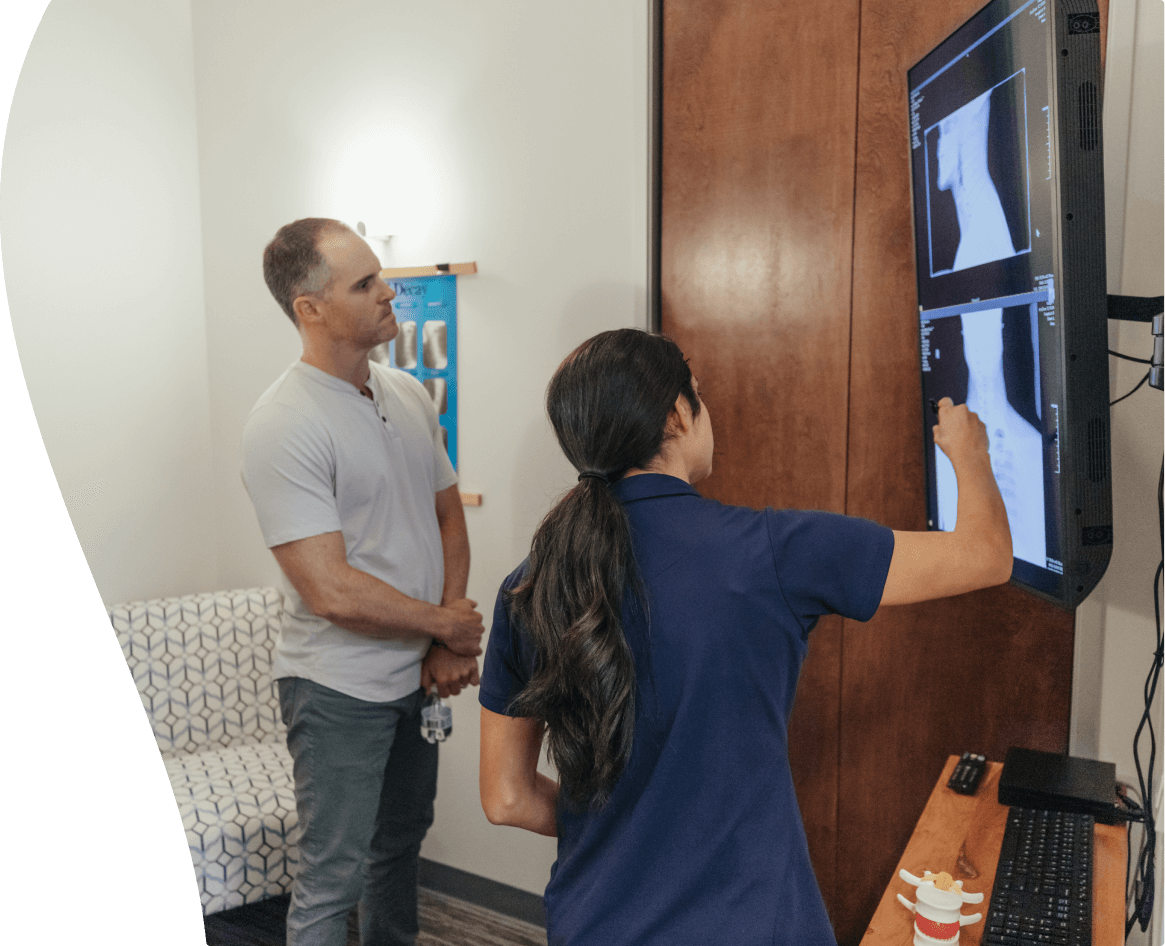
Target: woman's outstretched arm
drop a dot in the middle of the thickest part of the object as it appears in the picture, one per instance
(513, 791)
(977, 554)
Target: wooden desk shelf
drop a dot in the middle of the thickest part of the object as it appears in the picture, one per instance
(963, 835)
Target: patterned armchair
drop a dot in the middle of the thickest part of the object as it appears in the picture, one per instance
(202, 664)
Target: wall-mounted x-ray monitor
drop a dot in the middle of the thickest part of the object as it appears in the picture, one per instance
(1008, 191)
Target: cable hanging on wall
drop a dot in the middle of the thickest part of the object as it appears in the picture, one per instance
(1142, 874)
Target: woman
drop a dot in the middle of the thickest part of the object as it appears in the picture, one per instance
(655, 637)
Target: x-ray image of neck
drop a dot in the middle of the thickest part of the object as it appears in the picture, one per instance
(962, 169)
(1016, 447)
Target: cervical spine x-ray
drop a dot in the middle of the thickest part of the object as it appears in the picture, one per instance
(985, 235)
(978, 195)
(981, 171)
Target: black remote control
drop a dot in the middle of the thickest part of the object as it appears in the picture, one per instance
(968, 771)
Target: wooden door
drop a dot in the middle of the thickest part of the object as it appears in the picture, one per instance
(756, 229)
(786, 275)
(979, 672)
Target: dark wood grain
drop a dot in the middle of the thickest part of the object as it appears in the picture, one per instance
(983, 671)
(756, 227)
(787, 276)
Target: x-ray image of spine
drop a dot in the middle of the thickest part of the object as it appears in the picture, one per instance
(435, 345)
(962, 169)
(1016, 447)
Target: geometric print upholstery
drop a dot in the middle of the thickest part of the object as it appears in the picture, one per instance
(202, 666)
(238, 808)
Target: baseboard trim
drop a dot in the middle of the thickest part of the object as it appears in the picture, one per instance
(501, 898)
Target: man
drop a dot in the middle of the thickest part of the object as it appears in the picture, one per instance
(356, 497)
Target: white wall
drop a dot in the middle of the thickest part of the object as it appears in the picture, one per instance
(1116, 628)
(99, 216)
(102, 252)
(521, 126)
(511, 133)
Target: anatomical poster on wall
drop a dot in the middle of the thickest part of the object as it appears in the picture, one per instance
(426, 345)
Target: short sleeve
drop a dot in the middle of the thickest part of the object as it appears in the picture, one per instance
(445, 474)
(829, 563)
(509, 656)
(289, 473)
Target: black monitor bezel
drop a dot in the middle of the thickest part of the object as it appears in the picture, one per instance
(1082, 509)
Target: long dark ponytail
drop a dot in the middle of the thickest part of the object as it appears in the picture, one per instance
(609, 403)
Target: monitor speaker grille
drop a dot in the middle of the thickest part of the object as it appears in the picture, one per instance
(1089, 117)
(1098, 450)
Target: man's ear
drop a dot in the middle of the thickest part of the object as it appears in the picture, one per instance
(306, 310)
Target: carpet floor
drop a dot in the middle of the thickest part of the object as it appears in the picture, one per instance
(445, 921)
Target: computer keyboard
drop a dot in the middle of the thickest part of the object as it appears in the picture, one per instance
(1043, 885)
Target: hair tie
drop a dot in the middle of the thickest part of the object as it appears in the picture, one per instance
(594, 475)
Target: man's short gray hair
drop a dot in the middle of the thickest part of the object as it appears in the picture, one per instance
(293, 265)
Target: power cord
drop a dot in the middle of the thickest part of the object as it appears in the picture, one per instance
(1134, 390)
(1142, 876)
(1151, 362)
(1140, 361)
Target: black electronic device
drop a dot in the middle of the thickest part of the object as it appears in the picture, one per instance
(1054, 782)
(1008, 189)
(1156, 376)
(968, 773)
(1043, 882)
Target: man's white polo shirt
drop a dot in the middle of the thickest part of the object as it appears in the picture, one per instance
(320, 457)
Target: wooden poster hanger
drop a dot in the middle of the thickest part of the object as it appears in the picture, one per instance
(438, 269)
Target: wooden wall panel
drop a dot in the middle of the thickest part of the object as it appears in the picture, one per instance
(982, 671)
(787, 276)
(756, 228)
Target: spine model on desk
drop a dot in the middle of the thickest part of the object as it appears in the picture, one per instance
(937, 915)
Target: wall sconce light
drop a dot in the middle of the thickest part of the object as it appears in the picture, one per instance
(369, 231)
(378, 240)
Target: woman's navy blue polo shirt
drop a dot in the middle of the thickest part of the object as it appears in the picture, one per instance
(701, 841)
